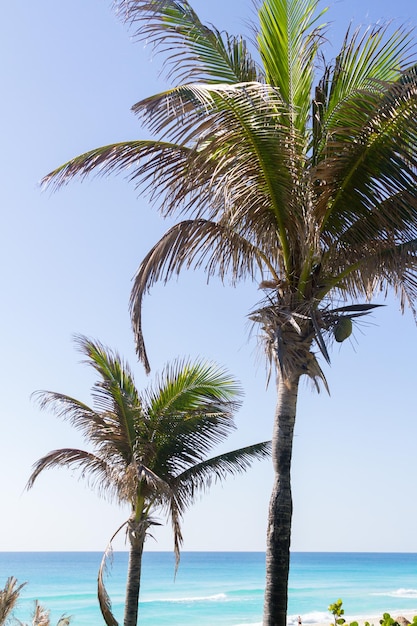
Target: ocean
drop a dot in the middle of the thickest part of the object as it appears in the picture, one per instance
(214, 588)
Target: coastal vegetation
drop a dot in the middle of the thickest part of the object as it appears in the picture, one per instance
(9, 597)
(149, 450)
(336, 609)
(286, 168)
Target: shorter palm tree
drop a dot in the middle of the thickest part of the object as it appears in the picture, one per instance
(149, 450)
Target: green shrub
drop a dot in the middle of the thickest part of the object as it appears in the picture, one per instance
(337, 611)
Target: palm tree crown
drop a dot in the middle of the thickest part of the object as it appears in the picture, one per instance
(304, 182)
(150, 450)
(285, 168)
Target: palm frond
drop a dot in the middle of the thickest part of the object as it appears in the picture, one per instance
(360, 309)
(221, 120)
(175, 513)
(188, 386)
(194, 437)
(107, 363)
(193, 50)
(115, 394)
(9, 596)
(192, 244)
(373, 54)
(373, 169)
(288, 42)
(40, 615)
(239, 163)
(198, 478)
(105, 427)
(103, 596)
(191, 408)
(319, 337)
(238, 170)
(156, 487)
(80, 415)
(393, 267)
(96, 470)
(118, 158)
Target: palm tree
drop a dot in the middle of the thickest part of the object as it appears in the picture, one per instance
(150, 449)
(287, 169)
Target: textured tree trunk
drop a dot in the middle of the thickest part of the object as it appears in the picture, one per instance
(280, 506)
(137, 531)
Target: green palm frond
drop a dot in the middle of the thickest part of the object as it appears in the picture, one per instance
(115, 394)
(191, 408)
(371, 169)
(194, 52)
(372, 54)
(199, 477)
(175, 514)
(193, 438)
(186, 386)
(268, 192)
(288, 43)
(196, 479)
(368, 60)
(108, 364)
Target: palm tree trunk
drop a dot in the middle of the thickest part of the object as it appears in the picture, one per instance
(137, 532)
(280, 506)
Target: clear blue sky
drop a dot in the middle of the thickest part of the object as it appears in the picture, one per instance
(69, 75)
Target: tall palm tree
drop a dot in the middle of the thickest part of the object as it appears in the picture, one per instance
(285, 168)
(150, 449)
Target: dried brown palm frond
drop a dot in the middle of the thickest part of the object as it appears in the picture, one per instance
(103, 596)
(40, 615)
(9, 596)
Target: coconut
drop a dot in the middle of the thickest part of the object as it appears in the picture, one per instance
(342, 329)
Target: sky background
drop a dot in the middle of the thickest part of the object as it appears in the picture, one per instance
(70, 73)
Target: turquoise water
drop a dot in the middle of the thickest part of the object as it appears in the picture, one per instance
(214, 588)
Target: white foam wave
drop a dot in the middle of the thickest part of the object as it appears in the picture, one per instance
(217, 597)
(399, 593)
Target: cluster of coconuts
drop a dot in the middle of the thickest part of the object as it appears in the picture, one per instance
(342, 329)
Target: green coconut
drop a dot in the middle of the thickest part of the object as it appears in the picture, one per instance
(342, 329)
